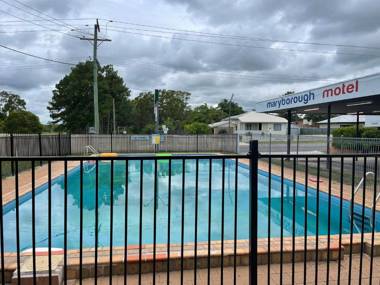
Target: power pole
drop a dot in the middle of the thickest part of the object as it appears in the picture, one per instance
(229, 114)
(114, 115)
(156, 109)
(95, 41)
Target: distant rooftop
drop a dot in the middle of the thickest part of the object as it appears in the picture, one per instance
(368, 120)
(252, 117)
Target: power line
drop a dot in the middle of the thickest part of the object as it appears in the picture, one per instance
(42, 13)
(242, 37)
(37, 24)
(27, 31)
(36, 56)
(44, 20)
(240, 45)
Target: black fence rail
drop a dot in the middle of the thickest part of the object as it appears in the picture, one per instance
(203, 219)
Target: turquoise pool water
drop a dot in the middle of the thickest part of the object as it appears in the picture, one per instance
(162, 212)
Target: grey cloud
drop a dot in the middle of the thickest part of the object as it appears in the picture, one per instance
(58, 8)
(251, 73)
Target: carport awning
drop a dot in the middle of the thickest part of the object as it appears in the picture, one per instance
(357, 95)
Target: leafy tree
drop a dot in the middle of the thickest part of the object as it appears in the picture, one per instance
(174, 106)
(142, 113)
(22, 122)
(10, 102)
(315, 117)
(225, 104)
(206, 114)
(197, 128)
(72, 104)
(173, 110)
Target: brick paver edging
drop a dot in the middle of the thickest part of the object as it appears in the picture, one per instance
(242, 255)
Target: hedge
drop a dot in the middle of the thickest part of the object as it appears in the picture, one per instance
(345, 139)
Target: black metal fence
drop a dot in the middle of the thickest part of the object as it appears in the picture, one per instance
(226, 219)
(35, 145)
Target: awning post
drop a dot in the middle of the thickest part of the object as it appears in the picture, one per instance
(289, 131)
(328, 128)
(357, 125)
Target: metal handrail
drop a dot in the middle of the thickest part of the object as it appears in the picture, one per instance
(362, 181)
(377, 198)
(357, 189)
(90, 148)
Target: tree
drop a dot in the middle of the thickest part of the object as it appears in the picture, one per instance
(142, 113)
(284, 114)
(225, 105)
(22, 122)
(206, 114)
(10, 102)
(72, 104)
(315, 117)
(173, 111)
(174, 108)
(197, 128)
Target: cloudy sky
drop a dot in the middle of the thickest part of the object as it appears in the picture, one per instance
(254, 49)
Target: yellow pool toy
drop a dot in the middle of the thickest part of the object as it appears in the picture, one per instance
(108, 154)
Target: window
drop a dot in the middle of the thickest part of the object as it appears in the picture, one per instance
(252, 127)
(277, 127)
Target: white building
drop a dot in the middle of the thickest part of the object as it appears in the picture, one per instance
(251, 123)
(350, 120)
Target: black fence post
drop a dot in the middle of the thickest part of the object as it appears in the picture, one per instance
(270, 143)
(40, 146)
(298, 143)
(253, 196)
(197, 143)
(59, 144)
(111, 142)
(70, 144)
(12, 154)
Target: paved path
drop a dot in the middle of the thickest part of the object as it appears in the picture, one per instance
(25, 179)
(242, 274)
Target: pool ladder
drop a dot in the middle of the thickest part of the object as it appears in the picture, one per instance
(357, 216)
(89, 149)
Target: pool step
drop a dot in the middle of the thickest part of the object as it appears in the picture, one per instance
(358, 219)
(42, 269)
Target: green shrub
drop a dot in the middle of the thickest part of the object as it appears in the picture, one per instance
(347, 132)
(345, 139)
(197, 128)
(370, 133)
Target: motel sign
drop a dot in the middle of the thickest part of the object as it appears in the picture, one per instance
(351, 89)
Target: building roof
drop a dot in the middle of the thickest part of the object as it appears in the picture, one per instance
(255, 117)
(218, 124)
(251, 117)
(351, 119)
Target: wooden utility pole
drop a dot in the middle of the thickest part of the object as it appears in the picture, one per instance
(95, 41)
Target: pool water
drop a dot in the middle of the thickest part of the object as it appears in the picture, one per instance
(89, 205)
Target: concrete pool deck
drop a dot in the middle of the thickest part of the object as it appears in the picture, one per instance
(323, 186)
(242, 275)
(242, 254)
(25, 179)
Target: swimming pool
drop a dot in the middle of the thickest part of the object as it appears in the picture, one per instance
(103, 229)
